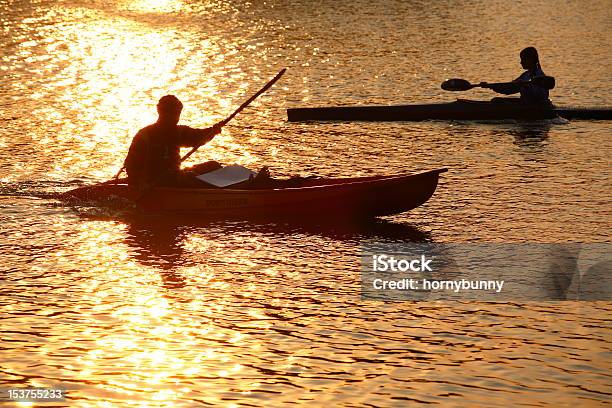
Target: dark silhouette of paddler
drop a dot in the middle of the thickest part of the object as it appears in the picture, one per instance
(532, 91)
(154, 155)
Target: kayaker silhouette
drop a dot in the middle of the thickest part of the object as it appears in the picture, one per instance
(531, 92)
(154, 155)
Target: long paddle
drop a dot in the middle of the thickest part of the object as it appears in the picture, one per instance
(240, 108)
(457, 84)
(223, 122)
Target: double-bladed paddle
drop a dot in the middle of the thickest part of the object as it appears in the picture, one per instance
(457, 84)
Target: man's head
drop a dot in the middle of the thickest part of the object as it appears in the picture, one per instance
(169, 109)
(530, 58)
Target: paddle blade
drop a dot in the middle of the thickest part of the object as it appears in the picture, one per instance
(456, 84)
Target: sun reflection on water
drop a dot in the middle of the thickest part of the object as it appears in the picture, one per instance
(138, 315)
(113, 70)
(138, 332)
(157, 6)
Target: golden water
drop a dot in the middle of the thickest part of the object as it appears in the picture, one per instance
(175, 312)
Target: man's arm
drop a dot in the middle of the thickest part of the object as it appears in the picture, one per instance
(190, 137)
(506, 89)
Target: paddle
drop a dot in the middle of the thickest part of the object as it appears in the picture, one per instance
(222, 123)
(457, 84)
(240, 108)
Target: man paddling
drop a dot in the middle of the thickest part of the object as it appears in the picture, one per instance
(154, 155)
(533, 92)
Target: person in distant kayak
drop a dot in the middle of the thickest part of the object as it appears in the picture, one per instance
(154, 155)
(532, 93)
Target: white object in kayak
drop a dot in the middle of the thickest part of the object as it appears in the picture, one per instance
(226, 176)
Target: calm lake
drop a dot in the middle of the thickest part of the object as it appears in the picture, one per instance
(126, 310)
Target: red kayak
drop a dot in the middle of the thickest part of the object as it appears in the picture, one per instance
(361, 197)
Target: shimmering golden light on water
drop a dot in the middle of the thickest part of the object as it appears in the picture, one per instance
(157, 6)
(123, 67)
(130, 314)
(153, 345)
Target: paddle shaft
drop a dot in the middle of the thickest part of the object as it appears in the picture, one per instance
(240, 108)
(457, 84)
(119, 172)
(497, 84)
(501, 83)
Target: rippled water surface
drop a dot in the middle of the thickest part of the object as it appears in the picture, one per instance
(126, 309)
